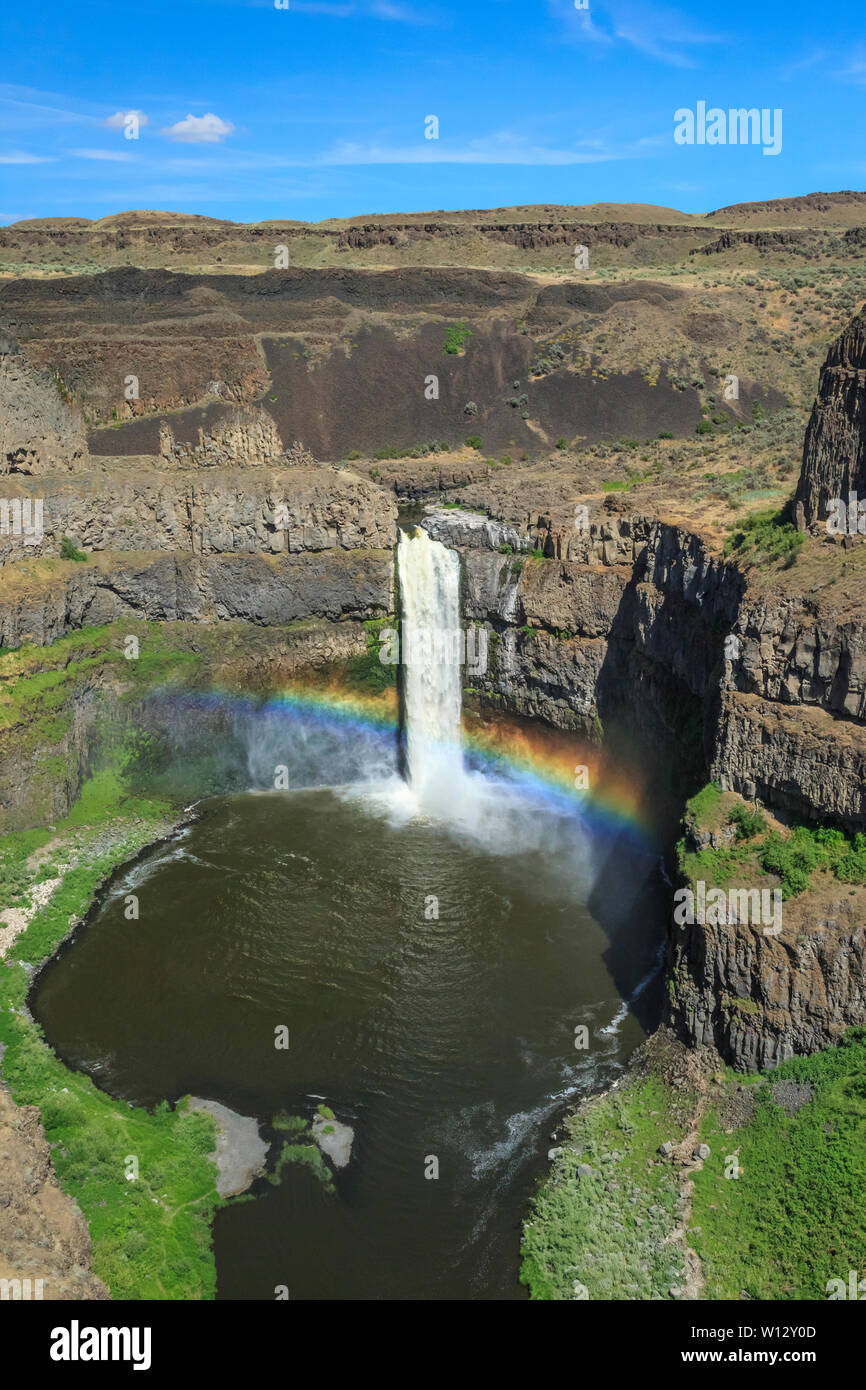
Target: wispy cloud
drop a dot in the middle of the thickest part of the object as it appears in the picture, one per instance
(803, 64)
(25, 108)
(658, 32)
(111, 156)
(22, 157)
(854, 70)
(199, 130)
(389, 10)
(502, 147)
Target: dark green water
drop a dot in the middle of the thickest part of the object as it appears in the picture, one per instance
(451, 1037)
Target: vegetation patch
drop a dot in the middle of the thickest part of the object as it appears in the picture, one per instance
(367, 673)
(150, 1231)
(764, 538)
(456, 338)
(791, 1220)
(792, 856)
(601, 1223)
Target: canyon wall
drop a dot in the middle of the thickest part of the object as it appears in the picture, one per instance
(630, 617)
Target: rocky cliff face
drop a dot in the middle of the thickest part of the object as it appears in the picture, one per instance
(39, 431)
(228, 511)
(241, 437)
(760, 997)
(571, 615)
(272, 592)
(45, 1249)
(834, 457)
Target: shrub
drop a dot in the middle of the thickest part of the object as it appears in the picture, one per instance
(852, 867)
(456, 338)
(764, 536)
(793, 860)
(474, 441)
(749, 823)
(69, 550)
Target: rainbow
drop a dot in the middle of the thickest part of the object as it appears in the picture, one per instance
(556, 769)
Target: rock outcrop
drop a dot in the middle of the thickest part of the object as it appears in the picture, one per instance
(760, 998)
(45, 1251)
(241, 437)
(271, 591)
(834, 456)
(228, 511)
(40, 432)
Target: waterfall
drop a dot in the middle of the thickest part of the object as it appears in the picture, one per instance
(431, 652)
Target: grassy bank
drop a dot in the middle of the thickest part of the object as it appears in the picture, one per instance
(151, 1235)
(774, 1211)
(788, 1216)
(610, 1232)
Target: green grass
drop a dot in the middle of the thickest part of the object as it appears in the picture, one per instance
(290, 1124)
(456, 338)
(70, 551)
(793, 858)
(793, 1219)
(310, 1155)
(586, 1229)
(765, 538)
(704, 804)
(151, 1237)
(748, 822)
(790, 1222)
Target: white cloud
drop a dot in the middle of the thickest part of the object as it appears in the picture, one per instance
(199, 130)
(119, 119)
(115, 156)
(659, 33)
(20, 157)
(503, 147)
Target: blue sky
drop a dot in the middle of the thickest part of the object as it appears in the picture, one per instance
(318, 110)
